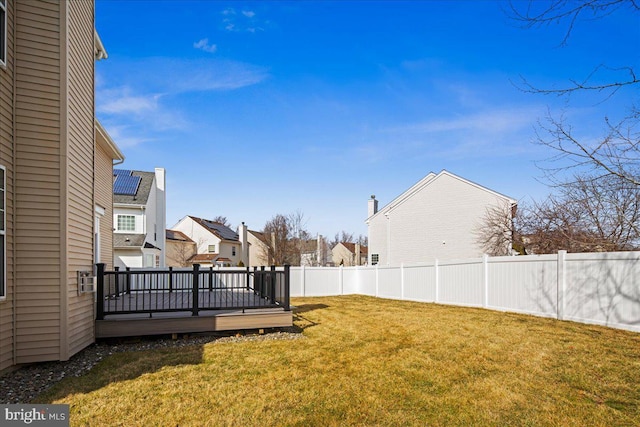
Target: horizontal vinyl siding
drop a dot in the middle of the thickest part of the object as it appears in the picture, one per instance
(103, 187)
(80, 208)
(6, 160)
(37, 223)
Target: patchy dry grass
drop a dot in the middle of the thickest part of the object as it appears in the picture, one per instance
(370, 361)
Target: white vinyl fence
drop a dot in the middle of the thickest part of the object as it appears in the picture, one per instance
(597, 288)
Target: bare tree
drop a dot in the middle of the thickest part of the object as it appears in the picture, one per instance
(586, 216)
(538, 13)
(222, 220)
(495, 234)
(179, 252)
(289, 238)
(341, 237)
(596, 181)
(277, 246)
(617, 152)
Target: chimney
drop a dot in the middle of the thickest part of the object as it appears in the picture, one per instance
(373, 206)
(161, 213)
(272, 256)
(244, 245)
(357, 254)
(320, 251)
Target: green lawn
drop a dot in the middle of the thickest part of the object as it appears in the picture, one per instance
(375, 362)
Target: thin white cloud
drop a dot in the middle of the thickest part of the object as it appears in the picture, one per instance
(123, 136)
(122, 101)
(204, 45)
(490, 121)
(245, 21)
(209, 75)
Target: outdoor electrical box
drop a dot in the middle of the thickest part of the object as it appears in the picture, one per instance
(86, 282)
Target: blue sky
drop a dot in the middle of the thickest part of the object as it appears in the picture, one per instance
(264, 108)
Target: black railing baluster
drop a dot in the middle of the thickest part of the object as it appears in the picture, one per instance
(128, 281)
(116, 286)
(287, 284)
(195, 289)
(272, 288)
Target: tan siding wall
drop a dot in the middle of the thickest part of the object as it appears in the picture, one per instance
(6, 160)
(80, 158)
(37, 186)
(104, 198)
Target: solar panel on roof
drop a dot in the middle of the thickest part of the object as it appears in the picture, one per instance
(122, 172)
(225, 232)
(126, 185)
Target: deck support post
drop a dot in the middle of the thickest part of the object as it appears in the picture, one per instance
(100, 291)
(194, 290)
(287, 283)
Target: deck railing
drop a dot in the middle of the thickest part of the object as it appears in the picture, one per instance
(151, 291)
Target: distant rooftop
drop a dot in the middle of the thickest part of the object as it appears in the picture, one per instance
(132, 187)
(220, 230)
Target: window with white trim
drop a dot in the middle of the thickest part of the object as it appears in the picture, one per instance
(126, 223)
(3, 236)
(3, 32)
(212, 249)
(149, 260)
(233, 251)
(375, 258)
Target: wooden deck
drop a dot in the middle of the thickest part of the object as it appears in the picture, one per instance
(127, 325)
(158, 313)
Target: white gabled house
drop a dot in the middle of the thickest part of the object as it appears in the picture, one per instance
(434, 219)
(216, 244)
(139, 217)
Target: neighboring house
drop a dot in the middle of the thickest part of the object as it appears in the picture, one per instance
(434, 219)
(349, 254)
(53, 160)
(259, 249)
(314, 253)
(180, 249)
(139, 212)
(216, 244)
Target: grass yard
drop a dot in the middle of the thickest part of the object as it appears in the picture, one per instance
(375, 362)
